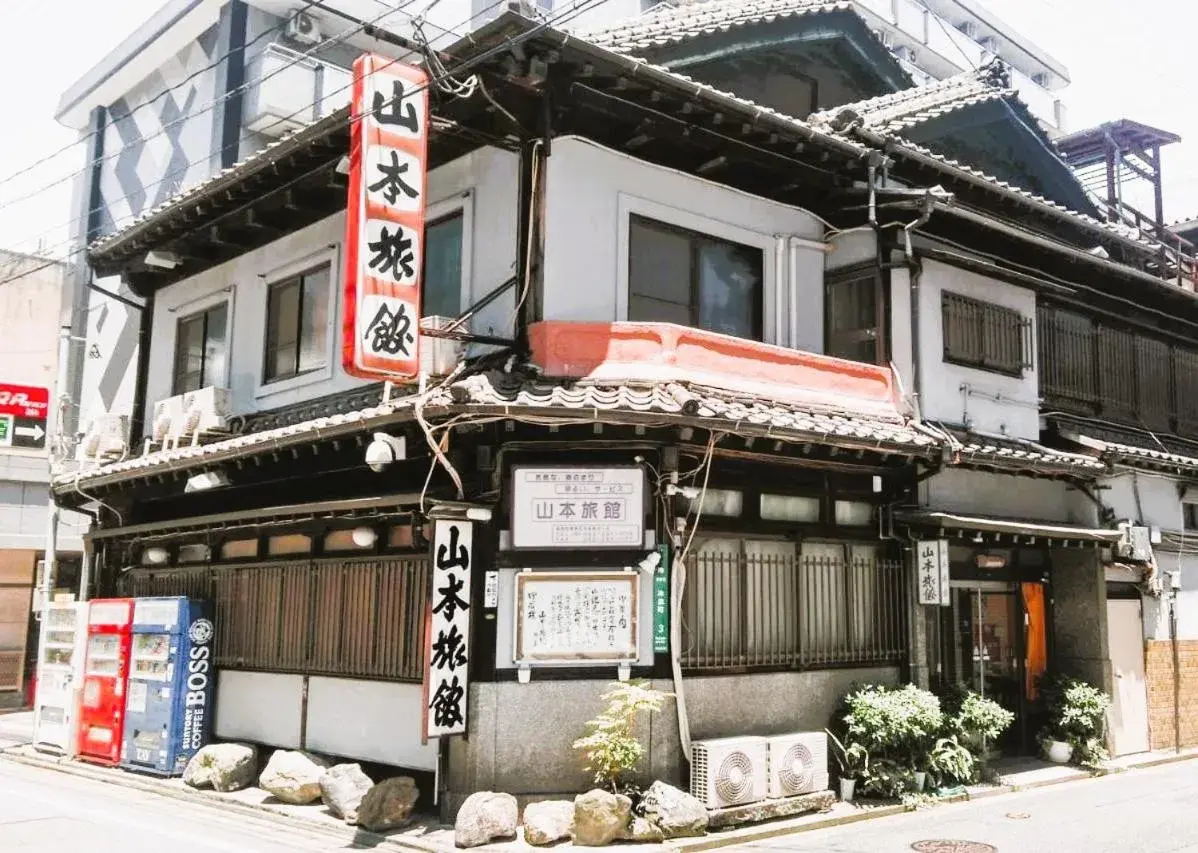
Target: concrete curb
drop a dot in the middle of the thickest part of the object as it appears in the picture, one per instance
(345, 833)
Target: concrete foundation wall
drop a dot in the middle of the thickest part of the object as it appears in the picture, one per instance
(1079, 616)
(521, 735)
(1159, 671)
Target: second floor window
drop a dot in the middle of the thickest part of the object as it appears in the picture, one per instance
(442, 285)
(985, 336)
(853, 306)
(297, 313)
(684, 277)
(201, 349)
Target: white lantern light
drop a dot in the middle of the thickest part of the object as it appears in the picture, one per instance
(364, 537)
(156, 555)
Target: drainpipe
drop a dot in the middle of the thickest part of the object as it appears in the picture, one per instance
(137, 421)
(1174, 584)
(915, 269)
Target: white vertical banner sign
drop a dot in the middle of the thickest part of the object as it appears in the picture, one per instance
(931, 567)
(447, 643)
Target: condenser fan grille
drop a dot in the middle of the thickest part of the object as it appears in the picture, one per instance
(734, 781)
(798, 768)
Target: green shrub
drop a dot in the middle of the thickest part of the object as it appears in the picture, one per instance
(951, 763)
(610, 746)
(1076, 715)
(888, 777)
(893, 723)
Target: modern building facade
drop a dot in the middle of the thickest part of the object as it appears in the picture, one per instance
(29, 313)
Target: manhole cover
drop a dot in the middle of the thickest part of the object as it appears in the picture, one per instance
(952, 845)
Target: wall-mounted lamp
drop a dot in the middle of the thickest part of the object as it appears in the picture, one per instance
(163, 260)
(156, 555)
(385, 449)
(205, 481)
(364, 537)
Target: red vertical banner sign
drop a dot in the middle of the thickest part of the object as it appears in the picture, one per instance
(388, 181)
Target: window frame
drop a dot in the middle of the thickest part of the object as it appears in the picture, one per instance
(197, 308)
(298, 279)
(861, 274)
(630, 206)
(460, 204)
(1025, 346)
(331, 255)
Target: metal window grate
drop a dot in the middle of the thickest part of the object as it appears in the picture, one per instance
(362, 618)
(986, 336)
(745, 610)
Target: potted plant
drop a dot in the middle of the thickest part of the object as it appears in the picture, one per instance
(950, 762)
(853, 763)
(1076, 721)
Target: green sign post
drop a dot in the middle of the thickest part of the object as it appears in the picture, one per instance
(661, 602)
(6, 430)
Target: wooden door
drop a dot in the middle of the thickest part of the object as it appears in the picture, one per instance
(1128, 717)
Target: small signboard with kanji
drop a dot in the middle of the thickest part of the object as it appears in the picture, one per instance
(388, 180)
(577, 617)
(447, 646)
(931, 571)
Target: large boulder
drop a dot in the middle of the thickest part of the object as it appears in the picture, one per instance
(600, 817)
(342, 788)
(485, 817)
(293, 776)
(388, 804)
(222, 767)
(547, 822)
(677, 813)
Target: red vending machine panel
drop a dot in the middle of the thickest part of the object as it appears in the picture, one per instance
(105, 672)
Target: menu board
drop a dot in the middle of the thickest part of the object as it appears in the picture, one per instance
(586, 617)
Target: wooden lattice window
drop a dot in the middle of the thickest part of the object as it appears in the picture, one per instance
(985, 336)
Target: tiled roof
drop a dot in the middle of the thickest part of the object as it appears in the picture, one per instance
(668, 24)
(497, 394)
(259, 159)
(1018, 453)
(1164, 458)
(899, 111)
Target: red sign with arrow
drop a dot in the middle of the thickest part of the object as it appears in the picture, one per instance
(23, 411)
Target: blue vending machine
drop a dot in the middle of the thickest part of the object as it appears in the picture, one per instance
(168, 703)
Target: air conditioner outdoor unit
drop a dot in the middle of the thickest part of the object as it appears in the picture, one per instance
(798, 764)
(106, 437)
(730, 771)
(1136, 543)
(166, 414)
(205, 410)
(303, 28)
(905, 53)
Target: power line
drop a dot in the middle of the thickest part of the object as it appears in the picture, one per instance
(90, 134)
(211, 105)
(182, 170)
(576, 9)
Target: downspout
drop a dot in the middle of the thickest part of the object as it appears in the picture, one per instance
(137, 417)
(915, 272)
(1176, 671)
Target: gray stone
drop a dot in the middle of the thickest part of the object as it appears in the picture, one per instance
(600, 817)
(342, 788)
(820, 801)
(388, 804)
(643, 829)
(485, 817)
(222, 767)
(677, 813)
(547, 822)
(293, 776)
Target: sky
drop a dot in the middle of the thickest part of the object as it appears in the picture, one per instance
(1126, 60)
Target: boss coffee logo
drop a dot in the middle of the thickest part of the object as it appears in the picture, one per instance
(199, 684)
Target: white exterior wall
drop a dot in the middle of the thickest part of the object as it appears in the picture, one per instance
(967, 492)
(964, 396)
(592, 191)
(483, 184)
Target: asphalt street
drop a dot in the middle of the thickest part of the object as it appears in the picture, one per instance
(1147, 811)
(52, 812)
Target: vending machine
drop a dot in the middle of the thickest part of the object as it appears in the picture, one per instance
(58, 670)
(168, 703)
(105, 670)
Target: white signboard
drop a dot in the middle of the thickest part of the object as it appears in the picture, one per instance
(587, 507)
(447, 649)
(931, 566)
(576, 616)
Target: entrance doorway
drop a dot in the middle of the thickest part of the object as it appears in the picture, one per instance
(1129, 704)
(997, 647)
